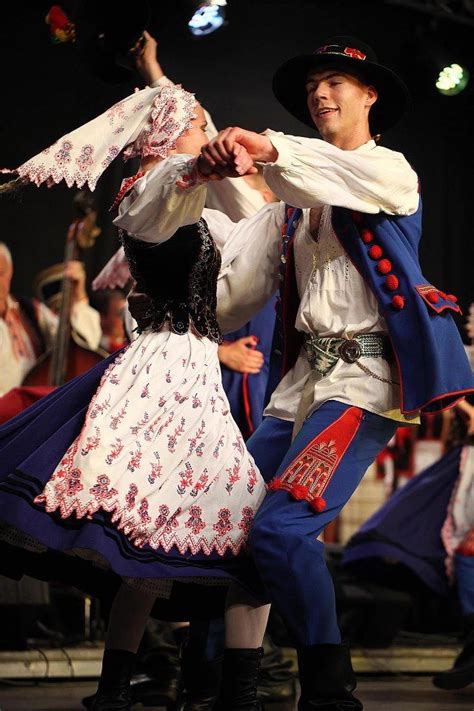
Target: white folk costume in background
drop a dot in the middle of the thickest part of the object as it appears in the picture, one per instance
(147, 473)
(28, 328)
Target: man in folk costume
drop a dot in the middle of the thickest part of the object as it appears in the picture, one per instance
(366, 342)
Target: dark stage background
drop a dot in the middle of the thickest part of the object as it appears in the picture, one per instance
(46, 92)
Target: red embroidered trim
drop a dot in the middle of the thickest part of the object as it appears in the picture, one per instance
(125, 187)
(307, 477)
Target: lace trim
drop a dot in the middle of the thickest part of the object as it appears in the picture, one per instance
(136, 532)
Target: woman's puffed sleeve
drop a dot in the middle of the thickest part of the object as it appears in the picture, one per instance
(166, 198)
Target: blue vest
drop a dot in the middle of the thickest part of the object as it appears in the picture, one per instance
(433, 368)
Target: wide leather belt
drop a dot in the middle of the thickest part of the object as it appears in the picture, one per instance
(324, 352)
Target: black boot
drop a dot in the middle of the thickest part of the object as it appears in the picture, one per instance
(327, 678)
(201, 681)
(462, 672)
(240, 669)
(113, 693)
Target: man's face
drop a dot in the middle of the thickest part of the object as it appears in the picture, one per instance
(6, 273)
(339, 103)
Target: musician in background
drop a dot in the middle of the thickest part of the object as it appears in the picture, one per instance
(27, 326)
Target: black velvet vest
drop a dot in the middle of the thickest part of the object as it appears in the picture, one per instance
(180, 277)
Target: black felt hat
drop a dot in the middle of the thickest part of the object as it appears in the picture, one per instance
(106, 31)
(354, 57)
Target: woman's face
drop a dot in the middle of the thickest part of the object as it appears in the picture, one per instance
(195, 137)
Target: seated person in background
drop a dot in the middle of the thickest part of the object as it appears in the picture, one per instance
(27, 326)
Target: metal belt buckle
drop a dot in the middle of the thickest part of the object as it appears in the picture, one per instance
(350, 351)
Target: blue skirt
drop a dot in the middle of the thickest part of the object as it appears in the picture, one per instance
(407, 528)
(31, 446)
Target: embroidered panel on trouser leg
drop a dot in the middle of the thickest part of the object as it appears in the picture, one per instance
(309, 474)
(284, 535)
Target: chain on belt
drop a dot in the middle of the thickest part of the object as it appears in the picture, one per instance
(324, 352)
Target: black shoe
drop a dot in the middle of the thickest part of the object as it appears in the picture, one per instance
(240, 668)
(113, 693)
(327, 679)
(462, 672)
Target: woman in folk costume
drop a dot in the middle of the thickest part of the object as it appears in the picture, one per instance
(147, 473)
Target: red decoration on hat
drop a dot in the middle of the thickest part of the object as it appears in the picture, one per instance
(275, 485)
(451, 297)
(60, 26)
(375, 252)
(433, 297)
(354, 53)
(398, 302)
(318, 504)
(299, 492)
(391, 282)
(367, 236)
(384, 266)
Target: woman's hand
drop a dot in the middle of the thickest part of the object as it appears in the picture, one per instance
(222, 151)
(239, 163)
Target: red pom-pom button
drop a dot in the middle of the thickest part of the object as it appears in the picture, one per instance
(451, 297)
(375, 252)
(384, 266)
(275, 485)
(318, 504)
(398, 302)
(433, 297)
(391, 282)
(367, 236)
(299, 492)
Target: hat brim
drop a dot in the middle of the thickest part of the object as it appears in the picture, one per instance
(289, 87)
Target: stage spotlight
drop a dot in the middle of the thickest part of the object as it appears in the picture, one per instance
(208, 17)
(452, 79)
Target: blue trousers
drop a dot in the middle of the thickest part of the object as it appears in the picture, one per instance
(320, 468)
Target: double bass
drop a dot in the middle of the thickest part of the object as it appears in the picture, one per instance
(68, 356)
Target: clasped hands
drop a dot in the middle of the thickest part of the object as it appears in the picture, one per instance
(233, 153)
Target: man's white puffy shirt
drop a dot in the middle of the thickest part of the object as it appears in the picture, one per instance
(335, 300)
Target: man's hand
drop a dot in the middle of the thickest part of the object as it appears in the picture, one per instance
(146, 60)
(222, 151)
(75, 271)
(241, 355)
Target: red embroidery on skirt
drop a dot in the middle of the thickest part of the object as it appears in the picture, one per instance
(307, 477)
